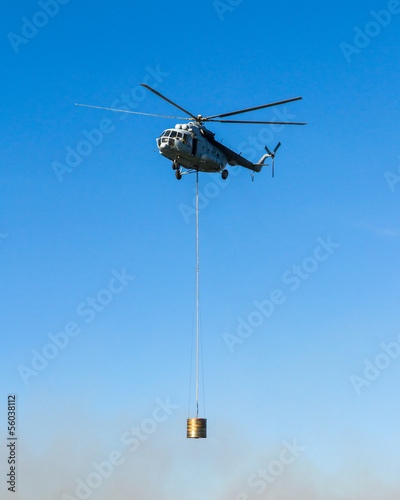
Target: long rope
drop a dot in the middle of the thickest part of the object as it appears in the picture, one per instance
(201, 361)
(197, 233)
(191, 354)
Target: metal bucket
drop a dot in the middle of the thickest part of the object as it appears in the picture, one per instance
(196, 428)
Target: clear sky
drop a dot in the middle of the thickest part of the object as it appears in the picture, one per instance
(299, 274)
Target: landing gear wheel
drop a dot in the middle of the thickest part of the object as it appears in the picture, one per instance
(178, 175)
(175, 166)
(225, 174)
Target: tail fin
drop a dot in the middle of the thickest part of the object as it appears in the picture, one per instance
(272, 155)
(259, 165)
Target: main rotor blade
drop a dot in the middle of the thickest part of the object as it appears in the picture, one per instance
(251, 109)
(267, 123)
(168, 100)
(133, 112)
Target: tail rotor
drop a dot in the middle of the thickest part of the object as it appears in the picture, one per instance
(272, 156)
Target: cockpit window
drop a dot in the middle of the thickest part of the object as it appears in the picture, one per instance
(179, 134)
(187, 139)
(173, 133)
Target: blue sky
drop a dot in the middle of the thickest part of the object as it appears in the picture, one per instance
(323, 236)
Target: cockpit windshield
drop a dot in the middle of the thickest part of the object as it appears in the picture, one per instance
(171, 135)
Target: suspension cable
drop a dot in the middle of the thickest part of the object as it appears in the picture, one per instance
(197, 272)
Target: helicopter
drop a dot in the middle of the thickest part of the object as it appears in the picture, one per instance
(192, 147)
